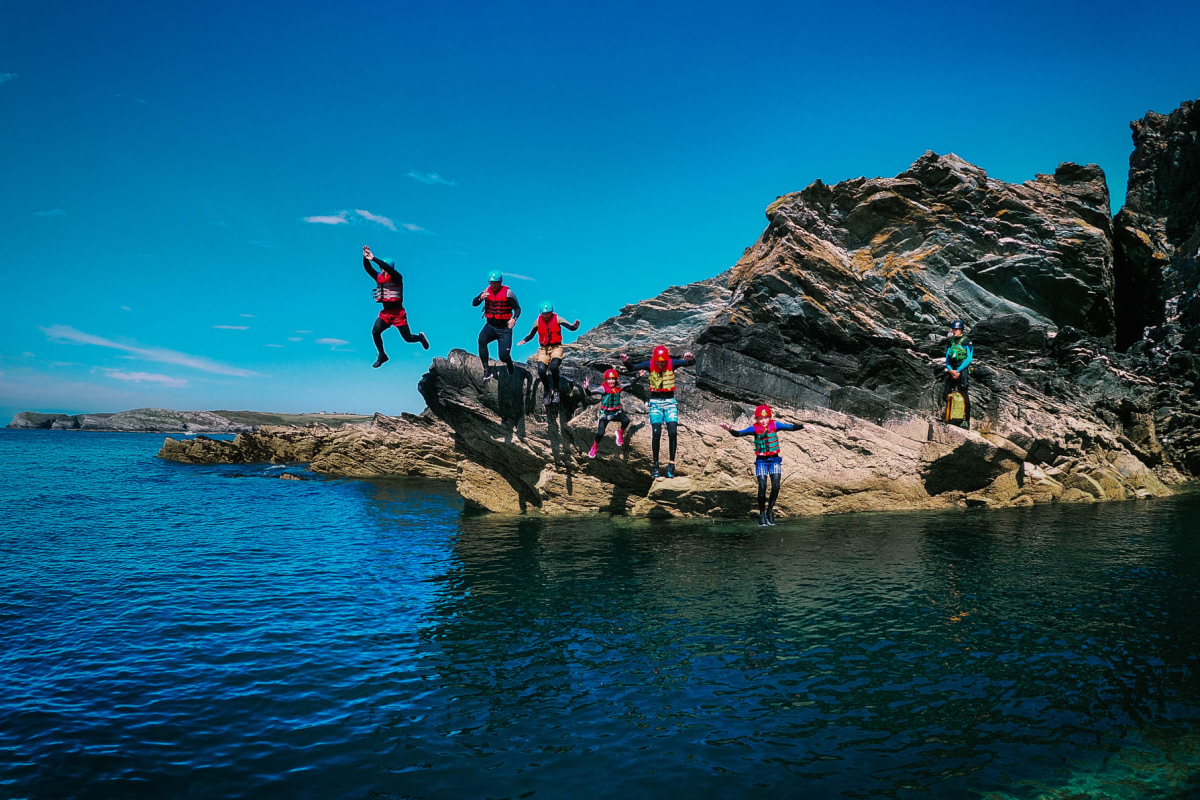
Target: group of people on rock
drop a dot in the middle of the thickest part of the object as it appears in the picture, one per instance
(501, 311)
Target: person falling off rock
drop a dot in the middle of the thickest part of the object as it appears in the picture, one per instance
(500, 313)
(610, 406)
(663, 408)
(767, 461)
(548, 328)
(389, 290)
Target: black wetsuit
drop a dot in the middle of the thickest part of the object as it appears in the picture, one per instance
(497, 330)
(962, 383)
(390, 306)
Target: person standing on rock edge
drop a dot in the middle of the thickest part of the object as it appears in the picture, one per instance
(959, 355)
(500, 313)
(610, 406)
(548, 328)
(663, 408)
(767, 461)
(389, 290)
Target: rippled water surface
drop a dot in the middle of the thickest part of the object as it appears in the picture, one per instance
(174, 631)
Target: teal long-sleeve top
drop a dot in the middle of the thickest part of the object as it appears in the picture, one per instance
(965, 344)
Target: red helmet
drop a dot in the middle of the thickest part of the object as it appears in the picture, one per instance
(660, 354)
(611, 375)
(763, 411)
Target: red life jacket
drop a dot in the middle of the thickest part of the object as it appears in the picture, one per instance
(766, 440)
(386, 291)
(549, 333)
(498, 305)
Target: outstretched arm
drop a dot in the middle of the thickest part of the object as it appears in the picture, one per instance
(367, 258)
(530, 335)
(742, 432)
(571, 326)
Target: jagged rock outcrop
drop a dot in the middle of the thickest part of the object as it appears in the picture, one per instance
(407, 445)
(836, 316)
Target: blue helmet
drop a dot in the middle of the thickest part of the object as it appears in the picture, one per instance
(547, 307)
(957, 325)
(495, 276)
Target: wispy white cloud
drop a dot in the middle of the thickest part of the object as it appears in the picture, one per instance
(65, 333)
(335, 219)
(376, 218)
(334, 342)
(519, 277)
(53, 212)
(295, 339)
(431, 178)
(408, 226)
(5, 77)
(147, 377)
(249, 316)
(303, 331)
(273, 345)
(126, 308)
(232, 327)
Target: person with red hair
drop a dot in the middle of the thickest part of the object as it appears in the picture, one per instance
(767, 461)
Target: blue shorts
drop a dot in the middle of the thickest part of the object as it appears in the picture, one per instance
(663, 411)
(764, 467)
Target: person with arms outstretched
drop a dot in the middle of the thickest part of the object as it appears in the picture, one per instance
(663, 408)
(500, 313)
(610, 406)
(767, 461)
(548, 328)
(389, 290)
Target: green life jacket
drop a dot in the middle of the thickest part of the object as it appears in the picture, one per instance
(766, 440)
(610, 401)
(956, 354)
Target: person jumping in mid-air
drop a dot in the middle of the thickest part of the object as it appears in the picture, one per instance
(389, 290)
(767, 460)
(548, 328)
(663, 408)
(500, 313)
(610, 406)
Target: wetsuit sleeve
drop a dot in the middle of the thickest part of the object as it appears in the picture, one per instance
(970, 355)
(946, 357)
(784, 426)
(567, 325)
(682, 362)
(636, 367)
(516, 307)
(370, 270)
(531, 334)
(477, 299)
(594, 390)
(744, 431)
(391, 272)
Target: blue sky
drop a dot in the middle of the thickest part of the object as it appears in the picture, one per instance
(187, 186)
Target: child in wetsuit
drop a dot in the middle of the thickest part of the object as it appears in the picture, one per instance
(767, 461)
(610, 406)
(389, 290)
(663, 408)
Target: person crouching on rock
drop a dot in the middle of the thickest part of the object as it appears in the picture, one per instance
(548, 328)
(959, 355)
(663, 408)
(610, 406)
(500, 313)
(389, 290)
(767, 461)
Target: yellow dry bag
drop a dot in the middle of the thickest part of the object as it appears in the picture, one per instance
(956, 407)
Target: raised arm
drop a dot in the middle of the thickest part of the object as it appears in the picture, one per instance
(571, 326)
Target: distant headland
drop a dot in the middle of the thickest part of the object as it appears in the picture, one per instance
(165, 420)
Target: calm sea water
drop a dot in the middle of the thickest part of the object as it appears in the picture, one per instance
(175, 631)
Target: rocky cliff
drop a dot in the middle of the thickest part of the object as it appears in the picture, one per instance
(837, 317)
(139, 420)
